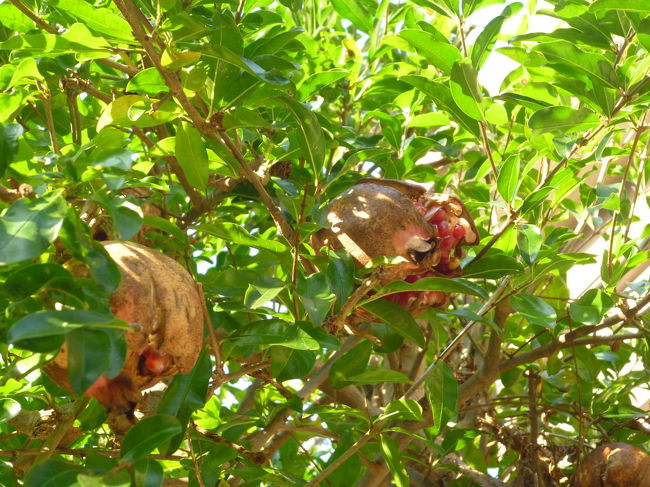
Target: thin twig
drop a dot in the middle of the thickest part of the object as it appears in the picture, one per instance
(34, 17)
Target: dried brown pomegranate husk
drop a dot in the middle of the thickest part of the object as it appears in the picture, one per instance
(160, 296)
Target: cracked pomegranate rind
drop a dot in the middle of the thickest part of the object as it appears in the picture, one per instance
(385, 217)
(160, 296)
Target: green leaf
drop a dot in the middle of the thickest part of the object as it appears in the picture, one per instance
(148, 82)
(350, 363)
(53, 473)
(397, 318)
(185, 394)
(316, 296)
(536, 198)
(441, 390)
(147, 435)
(287, 363)
(29, 331)
(231, 232)
(379, 376)
(529, 241)
(29, 226)
(99, 19)
(356, 12)
(224, 54)
(442, 96)
(405, 409)
(596, 68)
(508, 179)
(535, 310)
(563, 120)
(87, 357)
(591, 308)
(262, 291)
(148, 472)
(310, 134)
(455, 285)
(274, 332)
(316, 81)
(486, 39)
(465, 89)
(442, 55)
(492, 266)
(640, 6)
(9, 135)
(391, 452)
(192, 156)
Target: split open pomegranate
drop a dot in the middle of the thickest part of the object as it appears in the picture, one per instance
(384, 217)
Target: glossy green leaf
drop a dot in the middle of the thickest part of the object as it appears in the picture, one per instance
(454, 285)
(9, 135)
(408, 409)
(442, 55)
(29, 226)
(192, 156)
(186, 393)
(148, 82)
(535, 310)
(563, 120)
(87, 357)
(224, 54)
(391, 452)
(465, 89)
(529, 242)
(29, 331)
(356, 12)
(488, 36)
(492, 266)
(99, 19)
(309, 133)
(441, 95)
(147, 435)
(640, 6)
(316, 81)
(591, 308)
(53, 473)
(287, 363)
(316, 296)
(568, 57)
(397, 318)
(534, 199)
(441, 390)
(350, 363)
(508, 179)
(237, 234)
(379, 376)
(148, 472)
(274, 332)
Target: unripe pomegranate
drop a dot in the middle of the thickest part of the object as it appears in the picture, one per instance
(384, 217)
(160, 296)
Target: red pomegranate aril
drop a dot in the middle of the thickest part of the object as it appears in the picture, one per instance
(156, 362)
(459, 231)
(438, 216)
(444, 229)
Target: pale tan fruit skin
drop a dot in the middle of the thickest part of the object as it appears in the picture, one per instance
(614, 465)
(365, 214)
(160, 296)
